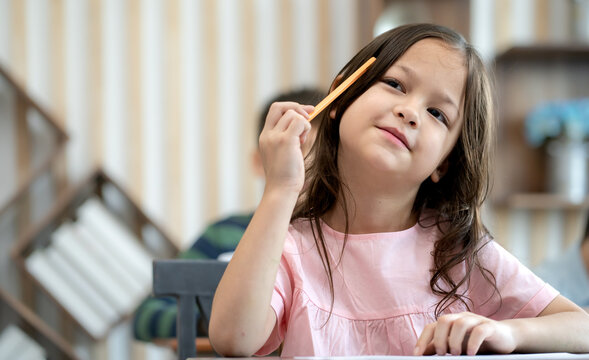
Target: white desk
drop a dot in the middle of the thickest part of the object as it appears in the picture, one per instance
(544, 356)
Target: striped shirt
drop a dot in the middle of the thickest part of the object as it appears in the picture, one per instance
(155, 318)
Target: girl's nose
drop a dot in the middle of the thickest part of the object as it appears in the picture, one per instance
(408, 114)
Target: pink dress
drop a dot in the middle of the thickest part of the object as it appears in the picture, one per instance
(382, 295)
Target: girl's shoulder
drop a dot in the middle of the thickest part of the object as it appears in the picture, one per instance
(300, 227)
(494, 254)
(300, 236)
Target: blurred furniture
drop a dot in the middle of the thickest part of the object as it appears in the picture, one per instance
(189, 281)
(393, 13)
(531, 222)
(528, 76)
(92, 253)
(35, 141)
(15, 312)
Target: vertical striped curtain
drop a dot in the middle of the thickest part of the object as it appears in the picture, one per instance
(165, 95)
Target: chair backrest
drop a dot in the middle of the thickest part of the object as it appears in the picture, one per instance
(188, 281)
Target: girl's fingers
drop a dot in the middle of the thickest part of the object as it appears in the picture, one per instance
(287, 119)
(425, 339)
(308, 109)
(278, 109)
(477, 336)
(443, 327)
(292, 128)
(304, 110)
(460, 328)
(298, 127)
(453, 333)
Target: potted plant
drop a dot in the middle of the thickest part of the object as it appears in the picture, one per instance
(564, 127)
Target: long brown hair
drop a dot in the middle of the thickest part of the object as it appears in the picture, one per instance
(456, 198)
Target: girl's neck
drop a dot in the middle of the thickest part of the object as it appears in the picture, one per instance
(380, 202)
(373, 213)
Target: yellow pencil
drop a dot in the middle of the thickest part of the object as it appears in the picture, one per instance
(341, 88)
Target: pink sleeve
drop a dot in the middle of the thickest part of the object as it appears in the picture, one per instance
(281, 302)
(523, 294)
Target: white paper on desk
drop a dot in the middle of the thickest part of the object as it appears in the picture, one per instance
(542, 356)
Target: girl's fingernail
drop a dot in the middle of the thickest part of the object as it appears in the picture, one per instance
(416, 351)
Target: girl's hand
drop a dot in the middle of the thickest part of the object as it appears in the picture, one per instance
(465, 333)
(285, 131)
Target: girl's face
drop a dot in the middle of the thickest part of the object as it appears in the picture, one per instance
(405, 125)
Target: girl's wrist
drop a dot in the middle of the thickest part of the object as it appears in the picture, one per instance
(283, 191)
(519, 332)
(283, 194)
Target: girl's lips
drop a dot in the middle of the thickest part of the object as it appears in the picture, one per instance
(395, 133)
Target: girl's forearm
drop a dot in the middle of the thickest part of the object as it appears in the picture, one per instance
(560, 332)
(242, 318)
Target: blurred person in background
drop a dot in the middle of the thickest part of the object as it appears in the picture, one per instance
(569, 272)
(155, 319)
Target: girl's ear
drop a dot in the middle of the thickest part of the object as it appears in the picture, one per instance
(440, 171)
(332, 114)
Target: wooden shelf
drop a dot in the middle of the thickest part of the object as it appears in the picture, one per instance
(123, 258)
(65, 208)
(28, 321)
(30, 165)
(542, 201)
(527, 76)
(544, 52)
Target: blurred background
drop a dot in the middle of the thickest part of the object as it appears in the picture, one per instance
(150, 107)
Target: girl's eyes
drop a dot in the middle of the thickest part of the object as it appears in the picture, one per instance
(394, 84)
(438, 115)
(433, 111)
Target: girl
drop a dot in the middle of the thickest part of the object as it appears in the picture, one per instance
(383, 251)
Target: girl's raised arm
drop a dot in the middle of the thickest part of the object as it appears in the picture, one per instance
(242, 318)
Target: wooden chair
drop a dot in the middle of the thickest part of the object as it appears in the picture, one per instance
(188, 281)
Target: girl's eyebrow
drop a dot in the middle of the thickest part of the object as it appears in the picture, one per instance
(445, 98)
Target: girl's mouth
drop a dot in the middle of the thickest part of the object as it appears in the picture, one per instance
(396, 136)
